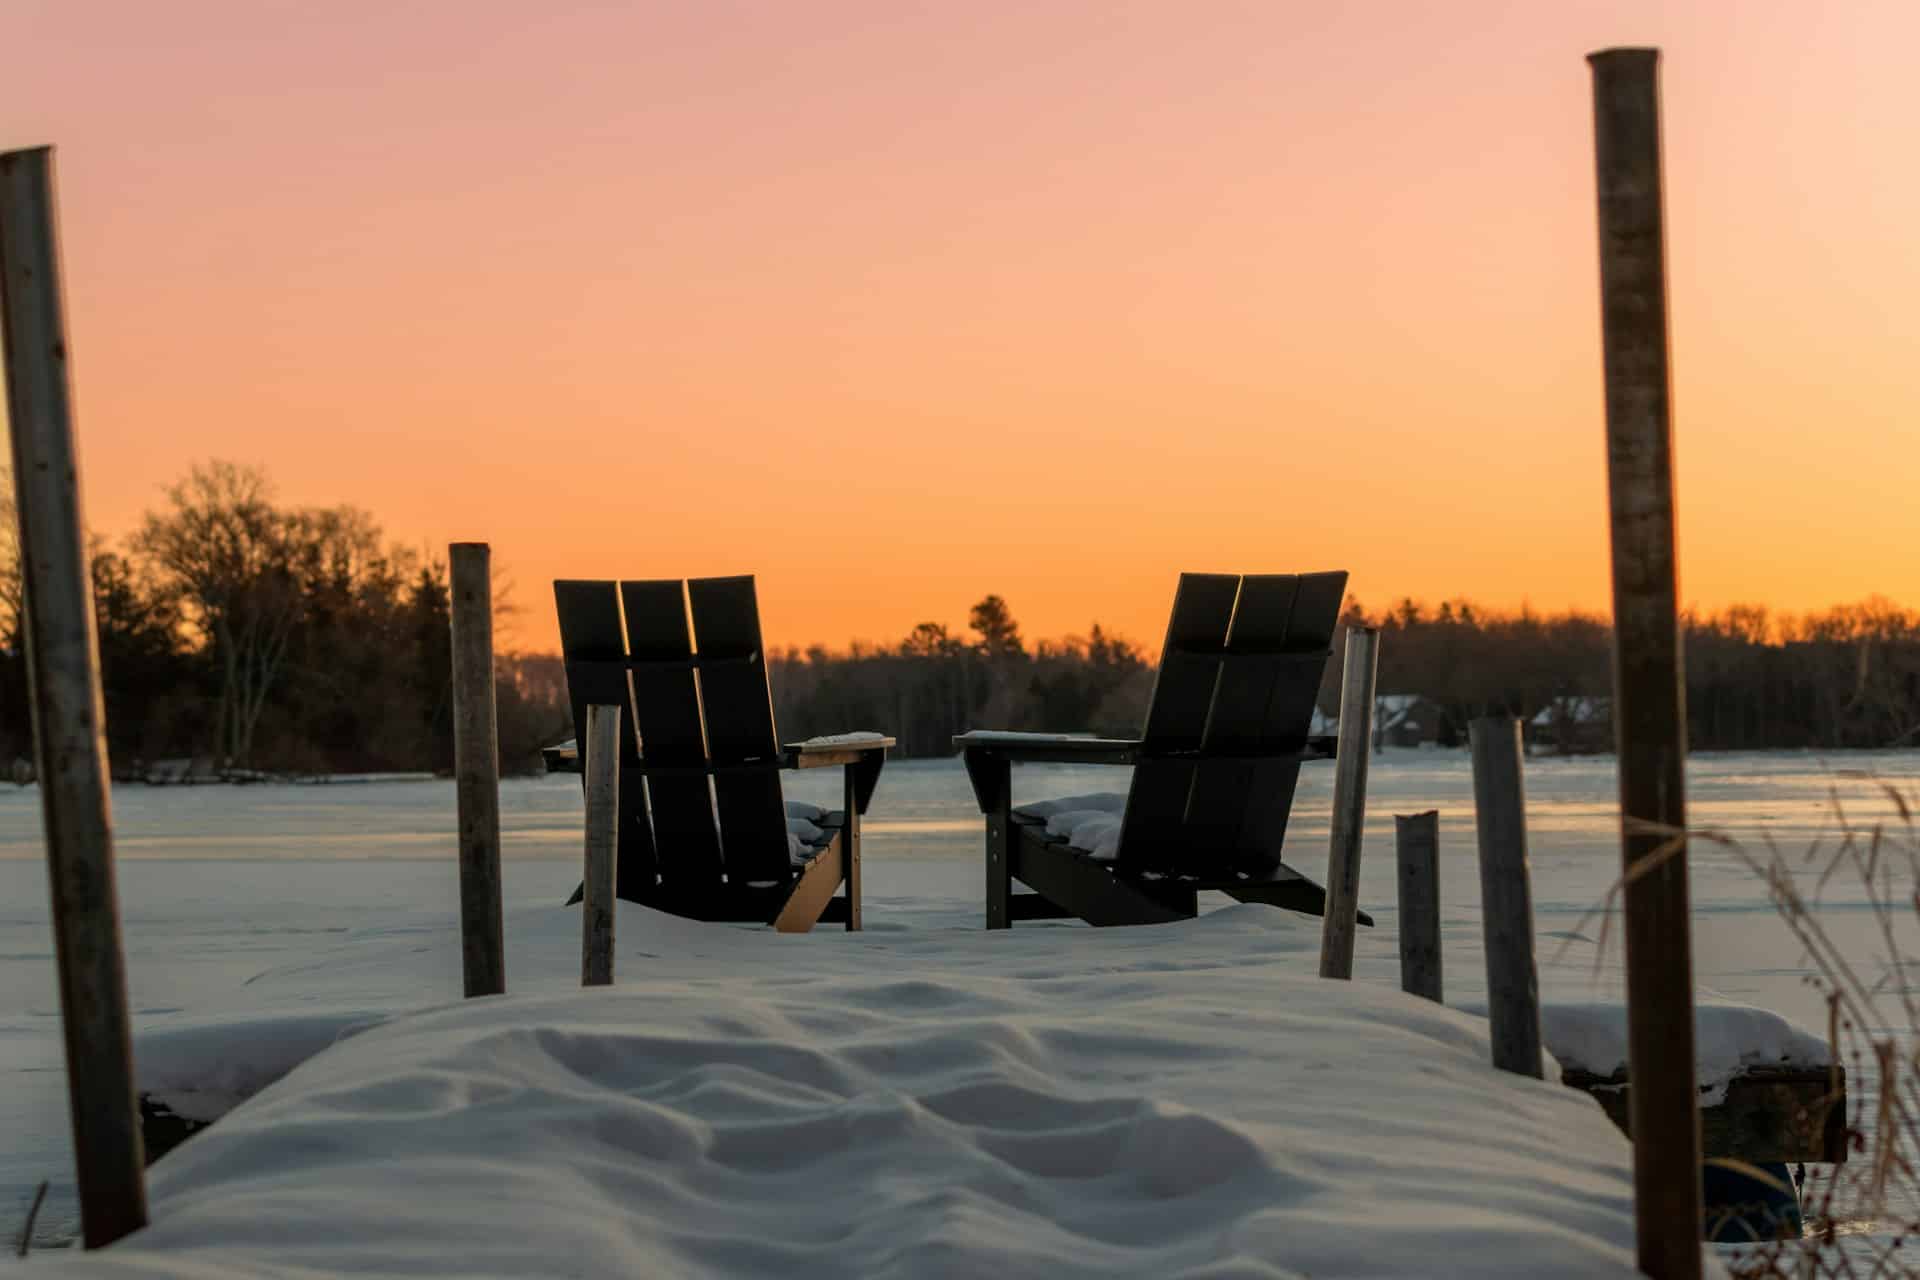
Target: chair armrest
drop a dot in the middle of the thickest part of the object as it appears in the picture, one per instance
(1049, 747)
(846, 748)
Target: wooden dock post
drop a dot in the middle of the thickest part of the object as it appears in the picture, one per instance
(1360, 664)
(1506, 895)
(476, 754)
(1416, 839)
(1649, 693)
(602, 757)
(69, 716)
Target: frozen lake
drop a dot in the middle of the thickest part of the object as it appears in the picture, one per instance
(221, 886)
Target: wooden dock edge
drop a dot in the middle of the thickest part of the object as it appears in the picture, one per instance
(163, 1128)
(1768, 1115)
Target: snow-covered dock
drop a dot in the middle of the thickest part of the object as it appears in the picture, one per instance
(1156, 1101)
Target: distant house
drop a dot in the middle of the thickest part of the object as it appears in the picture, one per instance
(1573, 724)
(177, 772)
(1399, 720)
(1406, 720)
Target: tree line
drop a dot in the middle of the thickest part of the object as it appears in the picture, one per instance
(264, 637)
(260, 637)
(1848, 676)
(934, 684)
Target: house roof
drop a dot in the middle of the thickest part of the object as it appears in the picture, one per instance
(1576, 709)
(1395, 710)
(1390, 711)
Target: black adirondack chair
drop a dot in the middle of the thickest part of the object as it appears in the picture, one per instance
(1213, 771)
(703, 827)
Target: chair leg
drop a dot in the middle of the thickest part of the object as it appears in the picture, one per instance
(814, 888)
(850, 854)
(999, 812)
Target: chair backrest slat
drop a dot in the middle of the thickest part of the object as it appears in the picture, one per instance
(1310, 627)
(1153, 830)
(1238, 725)
(1190, 661)
(595, 650)
(1237, 682)
(699, 725)
(739, 716)
(667, 706)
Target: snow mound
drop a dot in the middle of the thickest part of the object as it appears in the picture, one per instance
(202, 1070)
(1185, 1099)
(1090, 822)
(1729, 1038)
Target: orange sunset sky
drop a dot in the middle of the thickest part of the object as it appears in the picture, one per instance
(896, 304)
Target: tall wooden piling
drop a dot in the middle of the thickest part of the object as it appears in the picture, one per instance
(69, 716)
(1359, 665)
(1649, 692)
(1416, 838)
(602, 748)
(476, 751)
(1506, 895)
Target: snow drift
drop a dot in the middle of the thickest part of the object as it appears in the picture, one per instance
(1186, 1099)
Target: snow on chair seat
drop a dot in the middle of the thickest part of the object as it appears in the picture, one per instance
(1214, 769)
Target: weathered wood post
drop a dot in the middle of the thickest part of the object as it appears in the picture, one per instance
(1360, 664)
(602, 756)
(1649, 692)
(476, 753)
(1506, 895)
(1417, 843)
(69, 717)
